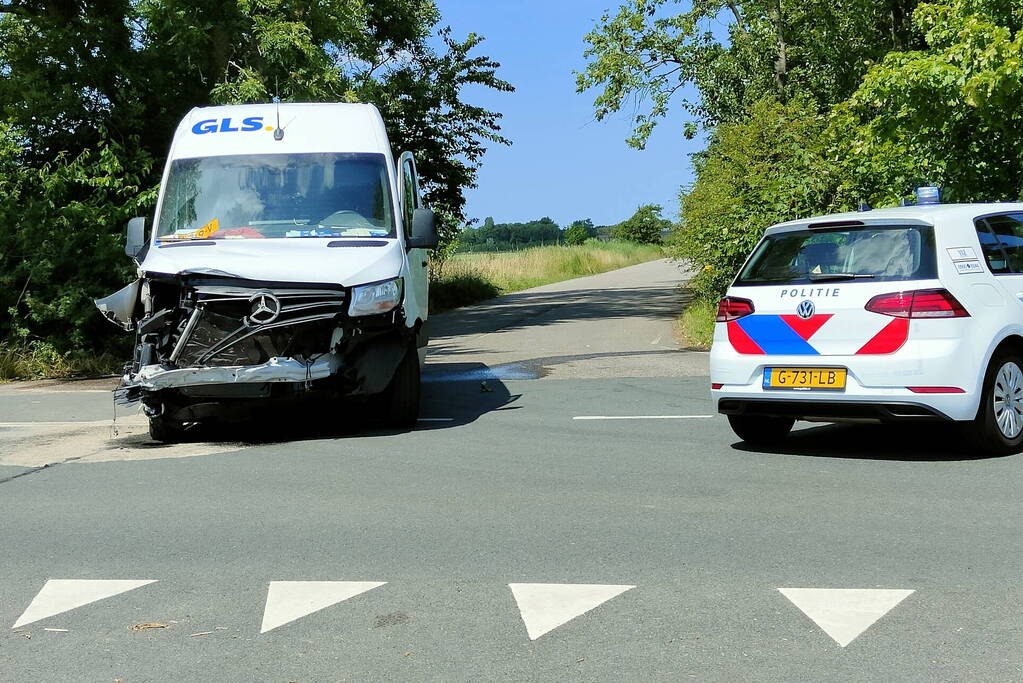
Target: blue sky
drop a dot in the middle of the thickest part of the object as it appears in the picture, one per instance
(563, 163)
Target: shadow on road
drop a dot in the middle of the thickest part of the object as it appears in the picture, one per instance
(908, 443)
(453, 395)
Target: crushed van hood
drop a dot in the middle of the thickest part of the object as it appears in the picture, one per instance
(342, 261)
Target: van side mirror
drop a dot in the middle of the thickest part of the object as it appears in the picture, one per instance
(136, 239)
(424, 230)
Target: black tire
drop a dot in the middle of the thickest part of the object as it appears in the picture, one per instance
(759, 430)
(167, 431)
(985, 430)
(401, 399)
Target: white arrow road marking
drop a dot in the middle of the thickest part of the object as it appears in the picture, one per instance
(546, 606)
(62, 595)
(287, 601)
(844, 613)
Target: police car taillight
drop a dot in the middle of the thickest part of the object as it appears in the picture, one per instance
(921, 303)
(732, 308)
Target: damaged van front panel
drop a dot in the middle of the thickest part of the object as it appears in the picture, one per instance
(202, 329)
(283, 259)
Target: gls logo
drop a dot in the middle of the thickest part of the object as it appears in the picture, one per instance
(249, 124)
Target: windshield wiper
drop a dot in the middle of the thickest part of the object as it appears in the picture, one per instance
(822, 277)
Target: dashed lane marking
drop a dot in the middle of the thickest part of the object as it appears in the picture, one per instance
(546, 606)
(61, 595)
(643, 417)
(844, 613)
(287, 601)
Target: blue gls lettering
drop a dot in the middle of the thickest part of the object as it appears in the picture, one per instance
(209, 126)
(249, 124)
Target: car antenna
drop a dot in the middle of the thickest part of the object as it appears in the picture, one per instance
(278, 131)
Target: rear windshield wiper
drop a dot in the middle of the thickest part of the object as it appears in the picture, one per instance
(821, 277)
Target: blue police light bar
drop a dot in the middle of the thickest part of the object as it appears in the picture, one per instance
(928, 195)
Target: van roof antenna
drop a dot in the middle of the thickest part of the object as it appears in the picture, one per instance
(278, 131)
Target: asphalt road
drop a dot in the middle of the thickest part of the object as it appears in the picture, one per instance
(506, 539)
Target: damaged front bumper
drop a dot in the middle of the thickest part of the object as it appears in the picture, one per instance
(156, 377)
(212, 336)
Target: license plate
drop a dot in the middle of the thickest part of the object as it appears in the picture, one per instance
(828, 379)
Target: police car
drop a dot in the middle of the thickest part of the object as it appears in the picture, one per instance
(908, 314)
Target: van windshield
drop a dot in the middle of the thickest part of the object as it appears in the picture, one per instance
(869, 253)
(258, 196)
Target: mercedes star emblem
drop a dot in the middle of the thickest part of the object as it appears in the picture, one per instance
(265, 308)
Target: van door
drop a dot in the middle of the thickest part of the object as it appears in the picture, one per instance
(419, 283)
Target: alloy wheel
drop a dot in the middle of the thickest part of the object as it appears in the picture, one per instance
(1008, 400)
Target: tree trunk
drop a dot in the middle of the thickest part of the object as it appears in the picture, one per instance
(898, 25)
(781, 64)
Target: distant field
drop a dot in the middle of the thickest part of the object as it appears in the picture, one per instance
(468, 278)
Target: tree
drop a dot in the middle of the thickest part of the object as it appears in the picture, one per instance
(90, 93)
(579, 231)
(946, 114)
(816, 50)
(769, 168)
(646, 226)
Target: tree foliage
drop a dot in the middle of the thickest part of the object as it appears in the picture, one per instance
(948, 114)
(762, 171)
(655, 54)
(811, 107)
(90, 93)
(510, 236)
(646, 226)
(580, 231)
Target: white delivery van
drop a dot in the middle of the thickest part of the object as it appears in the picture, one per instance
(288, 255)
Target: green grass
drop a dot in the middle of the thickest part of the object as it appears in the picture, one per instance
(39, 360)
(696, 324)
(467, 278)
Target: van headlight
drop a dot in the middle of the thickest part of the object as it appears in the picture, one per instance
(374, 299)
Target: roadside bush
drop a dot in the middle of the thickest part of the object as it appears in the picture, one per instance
(767, 169)
(62, 242)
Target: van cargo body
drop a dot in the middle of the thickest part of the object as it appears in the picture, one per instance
(288, 254)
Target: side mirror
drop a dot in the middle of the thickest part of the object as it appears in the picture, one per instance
(136, 239)
(424, 230)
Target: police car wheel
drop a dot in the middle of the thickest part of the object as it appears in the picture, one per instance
(757, 429)
(401, 401)
(999, 423)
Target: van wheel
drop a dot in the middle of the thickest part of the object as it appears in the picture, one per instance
(167, 431)
(760, 430)
(401, 399)
(998, 427)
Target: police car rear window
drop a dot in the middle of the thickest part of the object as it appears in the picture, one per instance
(867, 253)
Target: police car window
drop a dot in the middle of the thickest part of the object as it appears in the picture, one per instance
(879, 253)
(258, 196)
(1001, 239)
